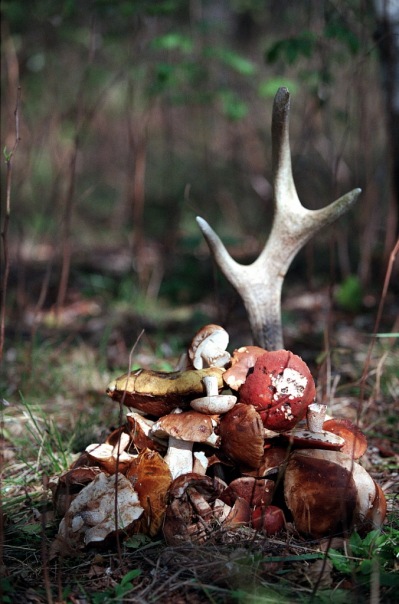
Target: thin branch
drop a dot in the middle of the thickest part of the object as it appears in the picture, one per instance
(387, 280)
(9, 155)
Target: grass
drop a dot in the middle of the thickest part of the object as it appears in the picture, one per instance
(55, 406)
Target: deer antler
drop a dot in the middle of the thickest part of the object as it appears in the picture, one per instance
(260, 283)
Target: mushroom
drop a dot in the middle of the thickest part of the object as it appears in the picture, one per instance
(326, 491)
(306, 439)
(280, 387)
(242, 361)
(91, 515)
(193, 510)
(241, 432)
(273, 461)
(139, 428)
(69, 484)
(355, 442)
(213, 402)
(257, 492)
(157, 393)
(183, 430)
(334, 434)
(151, 478)
(110, 458)
(315, 416)
(269, 519)
(208, 347)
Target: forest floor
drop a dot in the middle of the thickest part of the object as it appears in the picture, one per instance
(55, 375)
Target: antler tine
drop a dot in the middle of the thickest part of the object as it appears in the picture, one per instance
(230, 268)
(260, 283)
(284, 186)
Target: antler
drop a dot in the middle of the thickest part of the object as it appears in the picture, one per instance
(260, 283)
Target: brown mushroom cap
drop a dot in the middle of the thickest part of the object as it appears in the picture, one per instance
(242, 360)
(139, 428)
(326, 492)
(190, 426)
(157, 393)
(190, 516)
(151, 479)
(241, 432)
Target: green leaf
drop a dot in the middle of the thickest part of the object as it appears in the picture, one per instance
(389, 579)
(291, 49)
(339, 561)
(232, 106)
(132, 574)
(31, 529)
(349, 294)
(173, 41)
(138, 540)
(387, 335)
(232, 59)
(366, 567)
(337, 30)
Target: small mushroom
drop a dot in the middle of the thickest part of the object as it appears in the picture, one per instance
(257, 492)
(69, 484)
(269, 519)
(183, 430)
(213, 402)
(242, 361)
(139, 428)
(280, 387)
(193, 510)
(315, 416)
(151, 478)
(110, 458)
(306, 439)
(241, 432)
(91, 515)
(273, 461)
(157, 393)
(208, 347)
(328, 492)
(355, 442)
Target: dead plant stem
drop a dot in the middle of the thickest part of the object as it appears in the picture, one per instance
(387, 280)
(118, 543)
(9, 156)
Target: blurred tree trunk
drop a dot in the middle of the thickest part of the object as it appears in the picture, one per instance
(387, 38)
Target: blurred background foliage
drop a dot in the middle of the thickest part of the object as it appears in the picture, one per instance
(136, 116)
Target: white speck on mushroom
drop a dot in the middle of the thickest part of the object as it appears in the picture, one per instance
(290, 382)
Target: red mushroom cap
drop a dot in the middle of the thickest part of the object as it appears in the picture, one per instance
(355, 441)
(242, 361)
(269, 519)
(280, 388)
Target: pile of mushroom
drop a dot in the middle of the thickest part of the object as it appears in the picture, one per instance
(226, 441)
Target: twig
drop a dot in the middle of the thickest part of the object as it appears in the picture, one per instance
(118, 544)
(387, 279)
(4, 232)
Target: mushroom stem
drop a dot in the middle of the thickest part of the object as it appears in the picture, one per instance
(211, 385)
(315, 416)
(179, 457)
